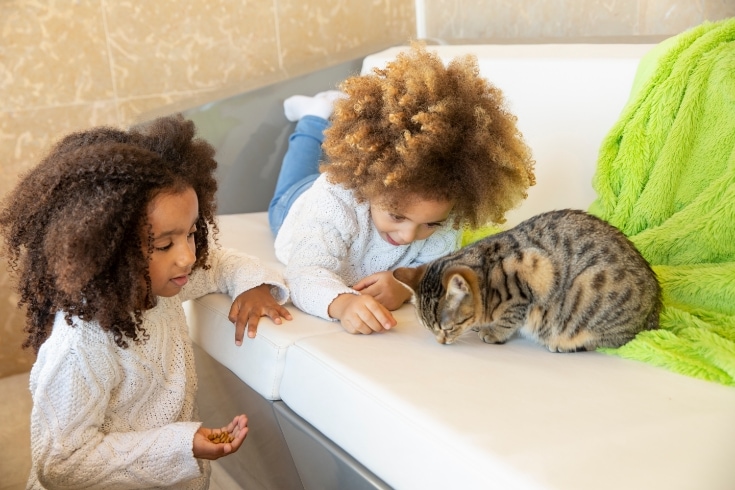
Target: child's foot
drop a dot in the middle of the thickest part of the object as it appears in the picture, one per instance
(321, 105)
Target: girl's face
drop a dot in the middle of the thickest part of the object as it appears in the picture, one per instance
(416, 220)
(172, 218)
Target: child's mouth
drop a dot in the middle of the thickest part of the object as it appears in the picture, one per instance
(391, 241)
(180, 281)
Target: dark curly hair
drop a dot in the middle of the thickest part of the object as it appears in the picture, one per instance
(418, 128)
(74, 224)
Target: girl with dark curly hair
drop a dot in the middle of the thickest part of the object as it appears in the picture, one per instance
(107, 236)
(416, 152)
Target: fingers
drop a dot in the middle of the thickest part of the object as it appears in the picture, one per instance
(238, 429)
(215, 443)
(368, 316)
(248, 317)
(253, 321)
(278, 312)
(364, 283)
(380, 318)
(234, 317)
(371, 290)
(239, 422)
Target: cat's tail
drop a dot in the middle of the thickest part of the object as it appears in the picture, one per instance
(652, 320)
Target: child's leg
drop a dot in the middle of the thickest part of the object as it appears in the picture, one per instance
(300, 167)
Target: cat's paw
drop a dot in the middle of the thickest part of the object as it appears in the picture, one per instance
(488, 336)
(566, 349)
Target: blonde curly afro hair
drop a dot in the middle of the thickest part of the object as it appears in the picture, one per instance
(420, 129)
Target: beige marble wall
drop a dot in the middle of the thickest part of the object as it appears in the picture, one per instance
(493, 19)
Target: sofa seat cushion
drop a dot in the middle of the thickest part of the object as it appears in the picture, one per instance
(258, 362)
(472, 415)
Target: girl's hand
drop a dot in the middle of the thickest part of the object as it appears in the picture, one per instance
(249, 306)
(385, 289)
(206, 449)
(361, 314)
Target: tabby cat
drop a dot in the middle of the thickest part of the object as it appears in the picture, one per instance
(565, 278)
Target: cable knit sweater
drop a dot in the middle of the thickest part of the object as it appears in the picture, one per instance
(112, 418)
(328, 243)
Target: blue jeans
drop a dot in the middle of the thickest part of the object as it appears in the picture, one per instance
(300, 167)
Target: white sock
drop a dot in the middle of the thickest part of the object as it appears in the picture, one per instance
(320, 105)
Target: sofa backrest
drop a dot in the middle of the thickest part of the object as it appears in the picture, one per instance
(566, 98)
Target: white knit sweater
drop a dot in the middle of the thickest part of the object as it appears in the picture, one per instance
(106, 417)
(328, 243)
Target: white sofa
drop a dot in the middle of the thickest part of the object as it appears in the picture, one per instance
(398, 410)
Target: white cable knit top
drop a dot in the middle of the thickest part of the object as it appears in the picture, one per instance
(111, 418)
(328, 243)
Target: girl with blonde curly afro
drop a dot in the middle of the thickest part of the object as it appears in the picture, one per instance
(412, 154)
(107, 236)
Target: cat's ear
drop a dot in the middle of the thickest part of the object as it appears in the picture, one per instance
(410, 276)
(460, 301)
(459, 282)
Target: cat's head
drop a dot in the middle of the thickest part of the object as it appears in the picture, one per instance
(447, 299)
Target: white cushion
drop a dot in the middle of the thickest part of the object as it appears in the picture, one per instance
(471, 415)
(259, 361)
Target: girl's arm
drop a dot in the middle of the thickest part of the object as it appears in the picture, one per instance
(233, 273)
(72, 387)
(256, 290)
(312, 271)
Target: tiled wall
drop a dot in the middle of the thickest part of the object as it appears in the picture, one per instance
(492, 19)
(70, 64)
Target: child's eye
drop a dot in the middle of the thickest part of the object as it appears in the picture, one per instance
(163, 249)
(434, 225)
(396, 217)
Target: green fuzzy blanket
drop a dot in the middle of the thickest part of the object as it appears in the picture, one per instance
(666, 177)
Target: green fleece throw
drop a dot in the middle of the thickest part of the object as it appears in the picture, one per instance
(666, 177)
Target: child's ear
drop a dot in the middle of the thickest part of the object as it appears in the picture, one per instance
(410, 276)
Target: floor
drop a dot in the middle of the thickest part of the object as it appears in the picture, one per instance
(15, 453)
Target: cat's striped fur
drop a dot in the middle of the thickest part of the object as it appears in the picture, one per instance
(565, 278)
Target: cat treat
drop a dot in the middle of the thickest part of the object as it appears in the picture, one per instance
(566, 279)
(220, 437)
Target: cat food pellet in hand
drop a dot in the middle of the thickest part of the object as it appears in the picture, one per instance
(221, 437)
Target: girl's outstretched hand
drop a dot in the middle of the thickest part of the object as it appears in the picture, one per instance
(249, 306)
(361, 314)
(205, 446)
(385, 289)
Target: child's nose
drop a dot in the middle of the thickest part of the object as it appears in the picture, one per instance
(187, 257)
(409, 234)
